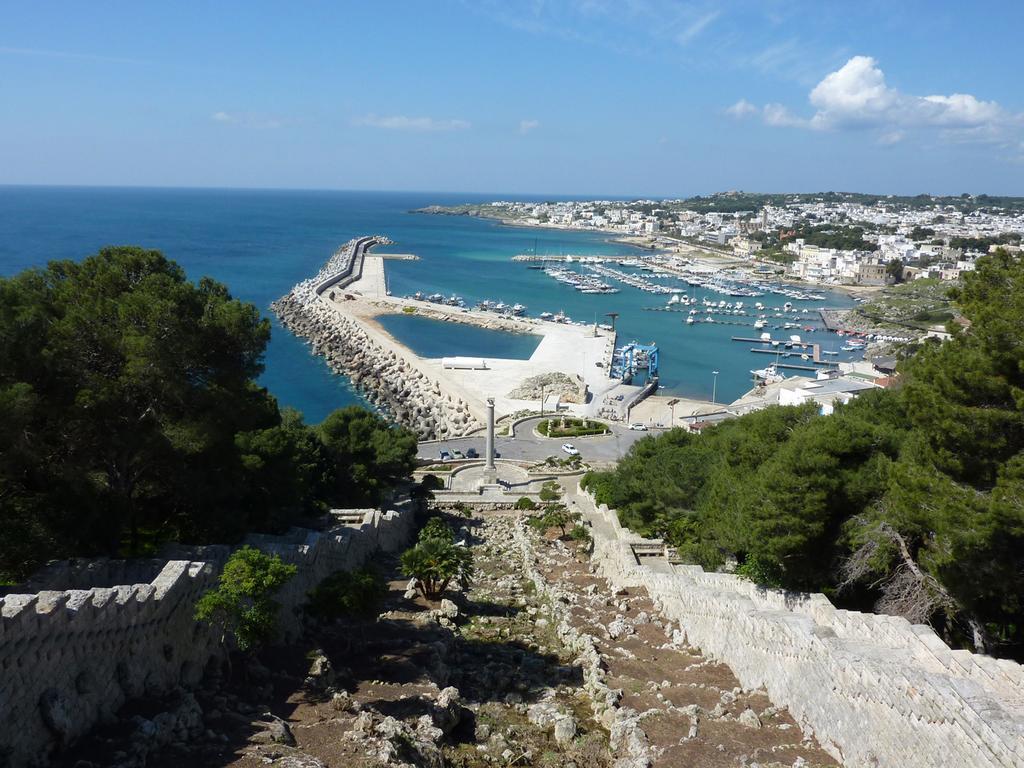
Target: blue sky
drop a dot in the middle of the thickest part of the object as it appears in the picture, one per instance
(624, 97)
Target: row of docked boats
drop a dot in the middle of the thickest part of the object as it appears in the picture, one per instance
(501, 308)
(630, 278)
(582, 283)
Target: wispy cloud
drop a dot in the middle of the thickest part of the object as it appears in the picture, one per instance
(405, 123)
(52, 54)
(249, 119)
(629, 27)
(695, 27)
(525, 126)
(856, 96)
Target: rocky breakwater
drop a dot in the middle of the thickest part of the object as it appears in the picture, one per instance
(386, 379)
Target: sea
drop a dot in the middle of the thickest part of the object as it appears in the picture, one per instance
(261, 242)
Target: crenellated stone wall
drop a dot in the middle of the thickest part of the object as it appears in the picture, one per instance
(70, 658)
(875, 690)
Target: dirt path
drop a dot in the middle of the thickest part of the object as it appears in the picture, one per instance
(692, 710)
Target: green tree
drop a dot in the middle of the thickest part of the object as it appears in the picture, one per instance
(369, 455)
(242, 606)
(129, 381)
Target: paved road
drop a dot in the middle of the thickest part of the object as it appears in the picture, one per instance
(527, 445)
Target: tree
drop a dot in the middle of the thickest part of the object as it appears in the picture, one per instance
(242, 606)
(128, 381)
(894, 269)
(907, 499)
(558, 516)
(368, 454)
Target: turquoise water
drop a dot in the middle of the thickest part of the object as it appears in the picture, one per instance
(261, 242)
(436, 338)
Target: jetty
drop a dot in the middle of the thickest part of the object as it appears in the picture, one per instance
(337, 312)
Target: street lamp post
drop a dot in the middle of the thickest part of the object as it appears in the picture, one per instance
(714, 388)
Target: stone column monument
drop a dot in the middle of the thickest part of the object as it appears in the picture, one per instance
(490, 472)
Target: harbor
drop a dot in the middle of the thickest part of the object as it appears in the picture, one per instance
(596, 322)
(574, 365)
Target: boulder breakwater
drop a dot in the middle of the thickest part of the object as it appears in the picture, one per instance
(388, 377)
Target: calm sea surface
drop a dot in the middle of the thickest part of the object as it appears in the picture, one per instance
(260, 243)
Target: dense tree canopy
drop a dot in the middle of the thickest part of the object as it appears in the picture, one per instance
(129, 415)
(910, 500)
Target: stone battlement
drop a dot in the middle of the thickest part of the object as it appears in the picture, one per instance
(875, 690)
(69, 659)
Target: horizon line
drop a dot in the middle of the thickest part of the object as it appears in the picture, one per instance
(538, 195)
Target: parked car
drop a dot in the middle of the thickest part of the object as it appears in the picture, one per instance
(471, 453)
(444, 456)
(570, 449)
(638, 427)
(458, 455)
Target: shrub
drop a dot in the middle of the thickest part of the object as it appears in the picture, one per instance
(436, 528)
(526, 503)
(241, 606)
(347, 593)
(580, 532)
(761, 571)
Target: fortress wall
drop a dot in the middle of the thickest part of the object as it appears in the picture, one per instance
(69, 659)
(875, 690)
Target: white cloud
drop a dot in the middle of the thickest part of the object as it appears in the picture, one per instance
(742, 109)
(404, 123)
(779, 115)
(857, 96)
(222, 117)
(525, 126)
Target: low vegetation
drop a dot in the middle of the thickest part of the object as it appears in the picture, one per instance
(242, 606)
(348, 594)
(570, 427)
(907, 500)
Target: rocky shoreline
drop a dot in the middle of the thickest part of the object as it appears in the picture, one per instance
(388, 381)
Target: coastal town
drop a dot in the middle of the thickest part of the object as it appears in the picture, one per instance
(830, 239)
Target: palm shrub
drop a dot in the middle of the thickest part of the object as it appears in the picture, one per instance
(437, 560)
(434, 563)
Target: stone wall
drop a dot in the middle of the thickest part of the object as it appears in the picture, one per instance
(875, 690)
(70, 658)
